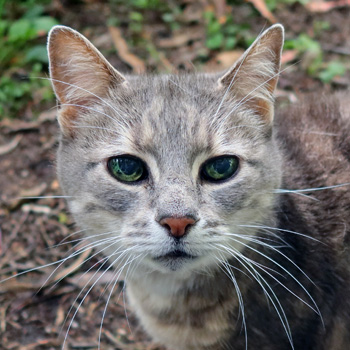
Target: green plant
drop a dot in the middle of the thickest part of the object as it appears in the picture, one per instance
(227, 35)
(272, 4)
(313, 60)
(332, 70)
(23, 30)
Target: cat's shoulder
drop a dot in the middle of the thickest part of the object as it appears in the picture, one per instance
(314, 135)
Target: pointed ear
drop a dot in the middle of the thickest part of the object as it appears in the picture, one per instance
(80, 74)
(253, 79)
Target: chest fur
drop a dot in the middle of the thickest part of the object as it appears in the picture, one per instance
(181, 317)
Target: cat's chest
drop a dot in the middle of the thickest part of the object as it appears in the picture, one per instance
(183, 319)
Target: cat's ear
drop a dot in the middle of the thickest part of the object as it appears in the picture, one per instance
(253, 78)
(79, 73)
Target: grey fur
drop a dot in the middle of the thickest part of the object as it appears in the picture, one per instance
(175, 123)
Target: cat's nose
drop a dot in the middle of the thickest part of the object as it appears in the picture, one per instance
(177, 226)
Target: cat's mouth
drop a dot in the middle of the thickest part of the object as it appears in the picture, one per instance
(174, 255)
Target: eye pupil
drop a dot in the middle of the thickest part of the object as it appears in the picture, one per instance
(219, 168)
(222, 165)
(127, 168)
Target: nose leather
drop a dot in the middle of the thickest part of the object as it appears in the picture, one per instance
(177, 226)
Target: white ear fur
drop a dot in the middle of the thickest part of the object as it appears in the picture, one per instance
(254, 77)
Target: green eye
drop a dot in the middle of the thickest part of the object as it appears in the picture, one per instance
(219, 168)
(127, 168)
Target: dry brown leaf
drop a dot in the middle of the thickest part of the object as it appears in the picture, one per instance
(181, 37)
(192, 12)
(17, 126)
(288, 56)
(72, 267)
(325, 6)
(88, 279)
(4, 149)
(56, 343)
(220, 10)
(263, 10)
(121, 46)
(48, 116)
(223, 60)
(26, 195)
(33, 192)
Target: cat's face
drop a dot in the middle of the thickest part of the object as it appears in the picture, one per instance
(162, 170)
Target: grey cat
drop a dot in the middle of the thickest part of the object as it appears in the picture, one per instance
(229, 226)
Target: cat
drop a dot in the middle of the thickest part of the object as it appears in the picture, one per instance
(229, 225)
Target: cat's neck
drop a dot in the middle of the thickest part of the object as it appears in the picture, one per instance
(168, 304)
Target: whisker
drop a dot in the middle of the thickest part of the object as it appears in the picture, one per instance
(93, 127)
(94, 110)
(285, 270)
(229, 273)
(87, 259)
(281, 190)
(87, 293)
(283, 230)
(42, 197)
(245, 55)
(81, 239)
(65, 238)
(128, 262)
(89, 92)
(257, 276)
(244, 99)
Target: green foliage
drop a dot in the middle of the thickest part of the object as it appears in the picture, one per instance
(23, 30)
(225, 36)
(272, 4)
(312, 55)
(333, 69)
(320, 26)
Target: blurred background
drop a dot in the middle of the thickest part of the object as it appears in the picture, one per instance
(137, 36)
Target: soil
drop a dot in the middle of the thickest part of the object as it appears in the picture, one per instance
(35, 313)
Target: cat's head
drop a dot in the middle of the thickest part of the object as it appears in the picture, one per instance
(167, 171)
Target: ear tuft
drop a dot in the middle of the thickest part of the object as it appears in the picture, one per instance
(254, 77)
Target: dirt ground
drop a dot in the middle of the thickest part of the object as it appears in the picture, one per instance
(35, 313)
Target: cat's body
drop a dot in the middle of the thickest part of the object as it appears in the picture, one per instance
(214, 253)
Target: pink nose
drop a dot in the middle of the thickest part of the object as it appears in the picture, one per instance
(177, 226)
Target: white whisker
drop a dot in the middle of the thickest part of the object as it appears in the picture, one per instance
(128, 262)
(89, 92)
(281, 190)
(285, 270)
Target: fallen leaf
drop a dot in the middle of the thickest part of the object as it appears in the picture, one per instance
(33, 192)
(5, 149)
(263, 10)
(72, 267)
(220, 10)
(325, 6)
(288, 56)
(26, 195)
(121, 46)
(48, 116)
(223, 60)
(181, 37)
